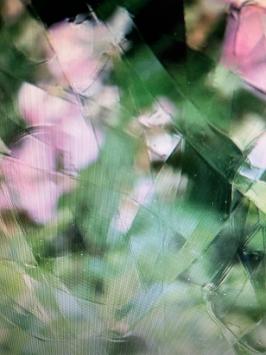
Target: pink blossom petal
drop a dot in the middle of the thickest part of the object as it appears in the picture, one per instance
(32, 151)
(38, 107)
(77, 141)
(39, 199)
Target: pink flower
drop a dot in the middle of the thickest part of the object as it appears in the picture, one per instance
(31, 183)
(74, 61)
(80, 52)
(62, 125)
(245, 45)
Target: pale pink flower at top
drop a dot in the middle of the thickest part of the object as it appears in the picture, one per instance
(31, 183)
(79, 52)
(74, 62)
(245, 46)
(72, 138)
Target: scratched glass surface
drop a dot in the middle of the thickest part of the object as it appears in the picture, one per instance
(133, 184)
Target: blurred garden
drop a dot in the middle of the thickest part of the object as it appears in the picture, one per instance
(133, 185)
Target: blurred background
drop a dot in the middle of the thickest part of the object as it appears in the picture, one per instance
(132, 192)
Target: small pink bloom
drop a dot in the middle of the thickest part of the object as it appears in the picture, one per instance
(245, 45)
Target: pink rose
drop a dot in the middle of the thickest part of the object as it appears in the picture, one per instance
(245, 45)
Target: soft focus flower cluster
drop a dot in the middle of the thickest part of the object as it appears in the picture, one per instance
(63, 140)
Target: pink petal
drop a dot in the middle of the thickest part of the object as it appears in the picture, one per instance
(38, 107)
(250, 31)
(39, 199)
(77, 141)
(32, 151)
